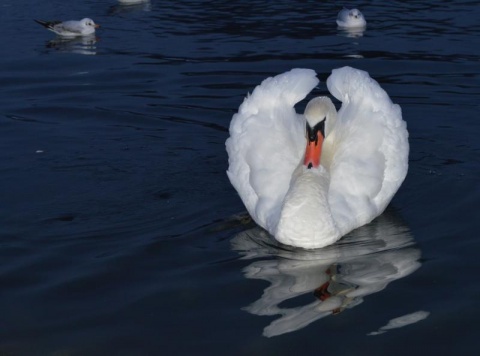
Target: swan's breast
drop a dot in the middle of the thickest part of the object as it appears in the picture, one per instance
(305, 219)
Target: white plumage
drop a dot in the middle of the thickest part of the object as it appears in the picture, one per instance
(71, 28)
(351, 18)
(364, 159)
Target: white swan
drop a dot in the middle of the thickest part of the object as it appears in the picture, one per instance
(364, 157)
(353, 18)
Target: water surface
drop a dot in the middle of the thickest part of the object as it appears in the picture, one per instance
(121, 233)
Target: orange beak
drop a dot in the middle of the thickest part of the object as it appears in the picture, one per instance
(96, 25)
(322, 292)
(313, 152)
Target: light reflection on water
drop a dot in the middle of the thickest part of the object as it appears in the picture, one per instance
(351, 32)
(337, 277)
(79, 45)
(127, 6)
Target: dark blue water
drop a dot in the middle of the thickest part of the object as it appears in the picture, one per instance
(121, 234)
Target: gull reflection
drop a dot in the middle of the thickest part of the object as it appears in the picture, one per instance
(80, 45)
(334, 278)
(125, 6)
(351, 32)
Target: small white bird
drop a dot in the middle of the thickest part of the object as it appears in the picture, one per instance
(70, 28)
(351, 18)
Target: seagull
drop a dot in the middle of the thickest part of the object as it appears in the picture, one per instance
(72, 28)
(353, 18)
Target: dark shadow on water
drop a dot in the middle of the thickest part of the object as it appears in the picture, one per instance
(307, 285)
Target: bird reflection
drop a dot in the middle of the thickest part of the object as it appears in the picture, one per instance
(351, 32)
(336, 277)
(81, 45)
(126, 6)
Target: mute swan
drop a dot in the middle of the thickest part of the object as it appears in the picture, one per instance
(302, 192)
(71, 28)
(351, 18)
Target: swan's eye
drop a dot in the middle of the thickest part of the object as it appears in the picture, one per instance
(312, 132)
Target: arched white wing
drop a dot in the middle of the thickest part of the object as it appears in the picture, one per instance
(368, 148)
(267, 141)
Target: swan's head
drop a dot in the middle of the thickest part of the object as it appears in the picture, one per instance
(316, 114)
(317, 110)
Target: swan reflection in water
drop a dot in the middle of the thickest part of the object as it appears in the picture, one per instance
(337, 277)
(81, 45)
